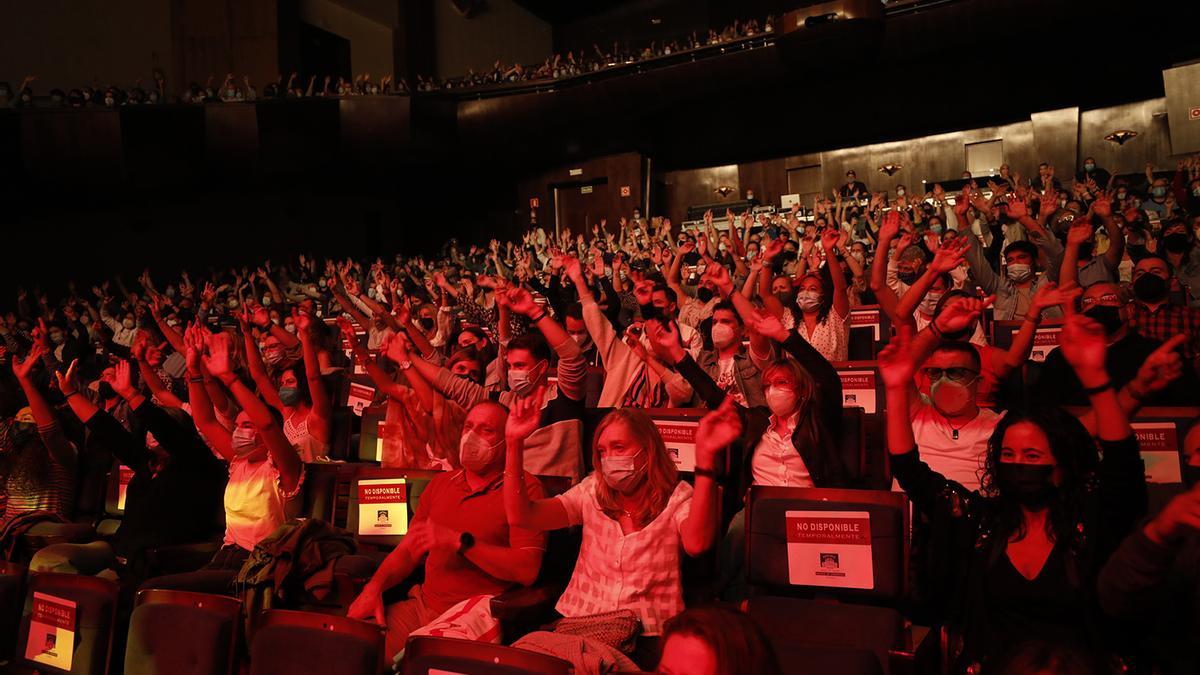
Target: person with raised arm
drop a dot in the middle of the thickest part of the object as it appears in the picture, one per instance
(637, 515)
(264, 470)
(1029, 543)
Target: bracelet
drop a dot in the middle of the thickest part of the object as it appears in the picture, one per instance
(539, 317)
(74, 393)
(711, 473)
(934, 329)
(199, 379)
(1091, 391)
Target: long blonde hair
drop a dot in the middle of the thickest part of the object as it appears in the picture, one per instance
(659, 479)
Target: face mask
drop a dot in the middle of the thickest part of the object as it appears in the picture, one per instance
(266, 301)
(172, 322)
(58, 338)
(521, 382)
(1150, 288)
(581, 339)
(244, 441)
(128, 324)
(809, 301)
(106, 391)
(620, 473)
(291, 327)
(951, 398)
(704, 294)
(899, 192)
(1121, 194)
(907, 277)
(1176, 243)
(781, 400)
(1196, 191)
(722, 335)
(426, 322)
(1158, 191)
(289, 396)
(1089, 167)
(930, 301)
(233, 303)
(862, 259)
(721, 247)
(272, 356)
(1019, 272)
(936, 228)
(474, 453)
(1028, 484)
(1107, 316)
(785, 297)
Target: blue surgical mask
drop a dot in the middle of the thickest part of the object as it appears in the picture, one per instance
(289, 396)
(1158, 191)
(936, 228)
(1089, 167)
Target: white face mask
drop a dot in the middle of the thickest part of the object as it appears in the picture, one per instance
(522, 382)
(809, 301)
(930, 301)
(723, 335)
(781, 400)
(1019, 272)
(621, 473)
(474, 453)
(581, 339)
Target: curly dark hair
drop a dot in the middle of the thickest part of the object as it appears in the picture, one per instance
(1077, 458)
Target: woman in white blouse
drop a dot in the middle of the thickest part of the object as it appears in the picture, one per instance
(636, 513)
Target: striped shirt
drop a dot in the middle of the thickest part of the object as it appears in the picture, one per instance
(35, 481)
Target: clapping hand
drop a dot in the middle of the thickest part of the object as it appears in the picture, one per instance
(717, 430)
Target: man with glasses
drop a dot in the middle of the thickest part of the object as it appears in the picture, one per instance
(951, 429)
(1108, 305)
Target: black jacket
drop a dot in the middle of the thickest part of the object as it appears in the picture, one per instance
(823, 461)
(183, 503)
(971, 542)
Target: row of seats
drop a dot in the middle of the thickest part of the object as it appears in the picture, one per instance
(179, 632)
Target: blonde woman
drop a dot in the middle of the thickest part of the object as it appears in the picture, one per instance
(635, 511)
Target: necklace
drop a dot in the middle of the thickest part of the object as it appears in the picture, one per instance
(954, 430)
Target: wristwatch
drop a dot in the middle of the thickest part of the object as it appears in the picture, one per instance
(465, 541)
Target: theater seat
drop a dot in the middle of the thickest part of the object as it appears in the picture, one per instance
(428, 655)
(860, 620)
(96, 606)
(288, 642)
(179, 558)
(12, 598)
(182, 633)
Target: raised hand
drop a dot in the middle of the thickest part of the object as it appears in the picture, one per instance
(123, 379)
(643, 291)
(193, 341)
(1080, 232)
(1052, 295)
(896, 364)
(574, 269)
(67, 383)
(302, 321)
(664, 340)
(961, 314)
(1161, 368)
(524, 416)
(890, 226)
(1084, 345)
(217, 357)
(1017, 209)
(22, 369)
(717, 430)
(949, 256)
(1102, 207)
(720, 278)
(829, 239)
(768, 325)
(521, 301)
(398, 348)
(772, 250)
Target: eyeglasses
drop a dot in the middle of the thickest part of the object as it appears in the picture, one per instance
(960, 375)
(1107, 299)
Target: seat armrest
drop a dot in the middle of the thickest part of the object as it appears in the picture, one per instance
(524, 609)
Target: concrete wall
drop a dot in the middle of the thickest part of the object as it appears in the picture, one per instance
(67, 43)
(502, 31)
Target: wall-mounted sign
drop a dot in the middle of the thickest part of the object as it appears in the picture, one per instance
(585, 190)
(533, 203)
(575, 172)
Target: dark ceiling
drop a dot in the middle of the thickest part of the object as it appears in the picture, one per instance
(565, 11)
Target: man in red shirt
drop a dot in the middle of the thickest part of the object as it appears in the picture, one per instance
(461, 534)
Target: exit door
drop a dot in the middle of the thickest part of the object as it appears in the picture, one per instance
(577, 207)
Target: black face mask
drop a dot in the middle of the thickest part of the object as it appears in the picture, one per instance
(1137, 251)
(1027, 484)
(106, 391)
(787, 299)
(1150, 288)
(1107, 316)
(1176, 243)
(1086, 249)
(426, 322)
(909, 278)
(704, 294)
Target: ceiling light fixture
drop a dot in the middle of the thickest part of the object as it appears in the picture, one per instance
(1120, 136)
(890, 168)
